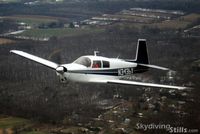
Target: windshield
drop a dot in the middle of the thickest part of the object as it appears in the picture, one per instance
(85, 61)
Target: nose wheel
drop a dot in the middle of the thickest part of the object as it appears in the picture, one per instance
(63, 79)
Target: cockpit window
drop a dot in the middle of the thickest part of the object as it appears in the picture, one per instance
(85, 61)
(96, 64)
(106, 64)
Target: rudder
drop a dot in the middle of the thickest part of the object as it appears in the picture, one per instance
(142, 53)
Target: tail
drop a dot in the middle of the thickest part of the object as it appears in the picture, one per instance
(141, 57)
(142, 53)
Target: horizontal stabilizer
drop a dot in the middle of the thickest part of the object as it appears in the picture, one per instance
(36, 59)
(154, 66)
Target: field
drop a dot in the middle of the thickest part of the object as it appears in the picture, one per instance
(33, 20)
(181, 22)
(58, 32)
(10, 125)
(36, 20)
(6, 41)
(10, 122)
(171, 24)
(131, 18)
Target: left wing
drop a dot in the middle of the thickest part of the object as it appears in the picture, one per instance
(37, 59)
(124, 82)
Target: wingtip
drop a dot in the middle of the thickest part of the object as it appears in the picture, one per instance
(14, 51)
(185, 88)
(182, 88)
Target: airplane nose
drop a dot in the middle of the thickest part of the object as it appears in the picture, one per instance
(61, 69)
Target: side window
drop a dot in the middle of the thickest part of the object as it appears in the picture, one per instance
(106, 64)
(96, 64)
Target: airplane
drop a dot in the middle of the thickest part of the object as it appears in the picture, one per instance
(98, 69)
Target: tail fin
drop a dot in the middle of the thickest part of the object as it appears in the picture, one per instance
(142, 53)
(142, 59)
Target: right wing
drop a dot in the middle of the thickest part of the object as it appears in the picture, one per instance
(154, 66)
(42, 61)
(125, 82)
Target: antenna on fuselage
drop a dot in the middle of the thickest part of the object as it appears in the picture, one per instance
(118, 56)
(95, 53)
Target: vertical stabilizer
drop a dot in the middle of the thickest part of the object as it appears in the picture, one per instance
(142, 53)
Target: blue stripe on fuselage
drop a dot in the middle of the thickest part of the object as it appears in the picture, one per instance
(112, 72)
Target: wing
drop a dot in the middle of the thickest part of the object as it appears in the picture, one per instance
(124, 82)
(154, 66)
(36, 59)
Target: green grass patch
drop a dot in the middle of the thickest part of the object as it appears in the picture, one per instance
(33, 20)
(58, 32)
(11, 122)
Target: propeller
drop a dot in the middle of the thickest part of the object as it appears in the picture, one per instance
(57, 57)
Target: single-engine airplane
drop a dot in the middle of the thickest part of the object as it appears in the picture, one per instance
(98, 69)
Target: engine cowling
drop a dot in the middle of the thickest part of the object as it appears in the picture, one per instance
(61, 73)
(61, 70)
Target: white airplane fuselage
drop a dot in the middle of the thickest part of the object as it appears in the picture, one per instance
(117, 69)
